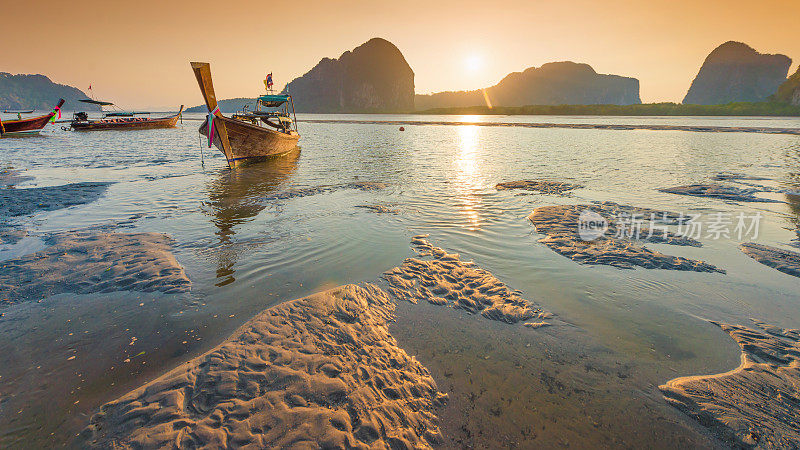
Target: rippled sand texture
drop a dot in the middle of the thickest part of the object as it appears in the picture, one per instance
(89, 261)
(542, 186)
(786, 261)
(317, 372)
(19, 202)
(446, 280)
(755, 404)
(719, 191)
(560, 224)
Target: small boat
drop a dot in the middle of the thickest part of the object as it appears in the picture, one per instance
(121, 120)
(18, 111)
(28, 127)
(248, 136)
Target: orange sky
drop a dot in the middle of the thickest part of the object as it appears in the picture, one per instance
(137, 52)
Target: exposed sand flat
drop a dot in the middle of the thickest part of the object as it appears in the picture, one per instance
(446, 280)
(560, 224)
(577, 126)
(317, 372)
(20, 202)
(542, 186)
(784, 260)
(90, 261)
(756, 404)
(719, 191)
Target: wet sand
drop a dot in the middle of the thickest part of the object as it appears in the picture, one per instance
(756, 404)
(719, 191)
(91, 261)
(20, 202)
(445, 280)
(321, 371)
(560, 225)
(541, 186)
(785, 261)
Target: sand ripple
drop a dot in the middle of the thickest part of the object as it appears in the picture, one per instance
(542, 186)
(784, 260)
(756, 404)
(446, 280)
(317, 372)
(20, 202)
(87, 261)
(560, 224)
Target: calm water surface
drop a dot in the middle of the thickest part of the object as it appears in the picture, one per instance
(246, 245)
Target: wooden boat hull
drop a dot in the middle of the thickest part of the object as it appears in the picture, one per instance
(250, 143)
(126, 124)
(26, 127)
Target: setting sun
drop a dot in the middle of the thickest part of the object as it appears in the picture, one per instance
(474, 63)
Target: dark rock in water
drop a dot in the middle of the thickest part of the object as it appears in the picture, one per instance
(20, 202)
(621, 244)
(783, 260)
(557, 83)
(789, 91)
(756, 404)
(38, 92)
(374, 77)
(718, 191)
(735, 72)
(543, 186)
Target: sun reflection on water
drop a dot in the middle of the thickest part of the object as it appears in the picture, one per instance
(468, 176)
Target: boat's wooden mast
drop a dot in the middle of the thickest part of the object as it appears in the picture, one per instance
(202, 71)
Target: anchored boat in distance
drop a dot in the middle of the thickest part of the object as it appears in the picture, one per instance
(28, 127)
(121, 120)
(267, 131)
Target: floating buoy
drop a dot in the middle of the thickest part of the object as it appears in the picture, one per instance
(402, 128)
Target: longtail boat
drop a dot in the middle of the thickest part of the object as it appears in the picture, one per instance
(120, 120)
(247, 136)
(28, 127)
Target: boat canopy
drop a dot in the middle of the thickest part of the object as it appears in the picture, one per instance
(126, 113)
(96, 102)
(273, 100)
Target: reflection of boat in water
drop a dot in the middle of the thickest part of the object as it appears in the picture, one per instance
(121, 120)
(248, 136)
(237, 197)
(28, 127)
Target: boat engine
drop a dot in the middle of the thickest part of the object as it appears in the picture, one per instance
(80, 116)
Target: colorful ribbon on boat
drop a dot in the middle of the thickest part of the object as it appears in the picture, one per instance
(211, 115)
(55, 110)
(2, 127)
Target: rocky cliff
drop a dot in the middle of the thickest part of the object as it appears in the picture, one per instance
(374, 77)
(557, 83)
(789, 91)
(38, 92)
(735, 72)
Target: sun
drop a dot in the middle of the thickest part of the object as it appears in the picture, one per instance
(473, 63)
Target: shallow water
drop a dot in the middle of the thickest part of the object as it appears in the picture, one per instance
(257, 236)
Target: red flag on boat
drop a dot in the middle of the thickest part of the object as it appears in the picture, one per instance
(268, 81)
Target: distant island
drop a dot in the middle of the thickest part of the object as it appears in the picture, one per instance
(38, 92)
(555, 83)
(646, 109)
(735, 72)
(734, 80)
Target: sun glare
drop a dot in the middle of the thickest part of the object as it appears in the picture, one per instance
(473, 63)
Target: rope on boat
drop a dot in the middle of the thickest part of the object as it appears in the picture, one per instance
(202, 159)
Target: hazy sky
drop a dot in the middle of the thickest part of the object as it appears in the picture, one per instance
(137, 52)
